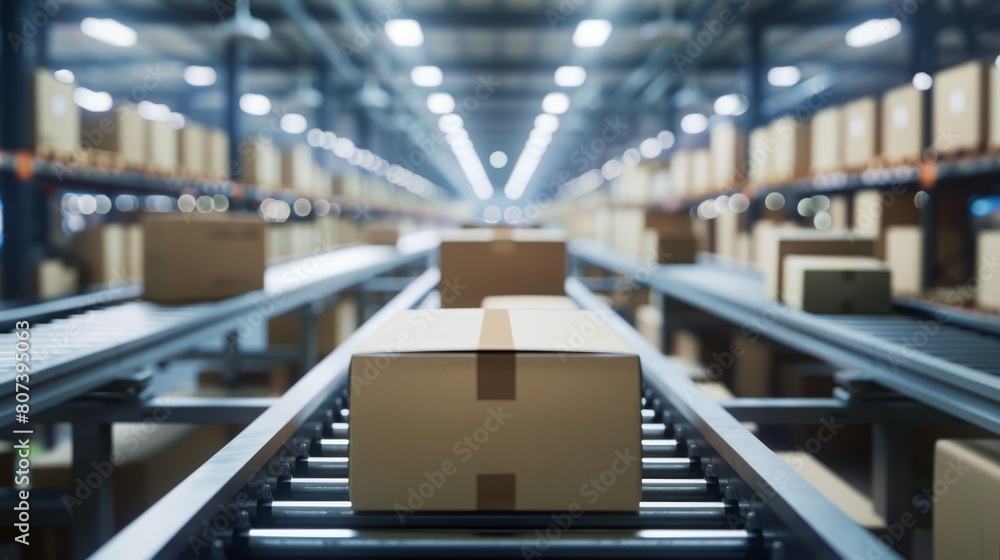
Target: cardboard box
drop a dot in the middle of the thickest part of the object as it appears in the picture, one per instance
(753, 367)
(54, 278)
(988, 288)
(904, 255)
(839, 214)
(649, 323)
(101, 251)
(296, 168)
(993, 140)
(960, 120)
(528, 302)
(261, 162)
(727, 148)
(701, 172)
(682, 173)
(333, 324)
(633, 187)
(966, 483)
(55, 123)
(727, 226)
(902, 125)
(133, 252)
(507, 409)
(476, 263)
(217, 158)
(380, 233)
(790, 159)
(843, 285)
(201, 257)
(121, 131)
(861, 133)
(671, 248)
(783, 242)
(760, 153)
(193, 150)
(876, 210)
(161, 147)
(826, 145)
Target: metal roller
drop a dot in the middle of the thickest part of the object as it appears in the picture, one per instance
(652, 467)
(650, 447)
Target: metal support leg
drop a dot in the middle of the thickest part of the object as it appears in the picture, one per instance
(308, 349)
(231, 360)
(93, 469)
(666, 333)
(892, 475)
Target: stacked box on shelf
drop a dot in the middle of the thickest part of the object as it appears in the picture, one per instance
(670, 238)
(861, 133)
(217, 156)
(261, 162)
(727, 230)
(993, 141)
(56, 119)
(161, 148)
(790, 160)
(904, 254)
(902, 125)
(760, 155)
(727, 151)
(120, 130)
(827, 144)
(133, 252)
(275, 241)
(876, 210)
(102, 252)
(633, 186)
(627, 230)
(701, 172)
(960, 109)
(296, 168)
(193, 150)
(988, 287)
(682, 173)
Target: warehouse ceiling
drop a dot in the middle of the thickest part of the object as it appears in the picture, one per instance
(498, 59)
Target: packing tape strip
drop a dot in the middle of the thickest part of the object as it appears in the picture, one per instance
(495, 361)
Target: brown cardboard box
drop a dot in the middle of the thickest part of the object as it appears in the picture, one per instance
(790, 159)
(876, 210)
(783, 242)
(495, 410)
(161, 147)
(727, 226)
(133, 252)
(760, 155)
(333, 325)
(902, 125)
(988, 288)
(102, 251)
(193, 149)
(861, 133)
(54, 278)
(633, 187)
(679, 224)
(261, 162)
(839, 214)
(753, 367)
(528, 302)
(727, 147)
(380, 233)
(827, 141)
(671, 248)
(476, 263)
(56, 119)
(845, 285)
(217, 158)
(960, 120)
(966, 484)
(202, 257)
(682, 173)
(296, 168)
(993, 141)
(904, 257)
(649, 322)
(701, 172)
(121, 130)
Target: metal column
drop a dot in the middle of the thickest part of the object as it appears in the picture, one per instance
(235, 65)
(93, 471)
(892, 475)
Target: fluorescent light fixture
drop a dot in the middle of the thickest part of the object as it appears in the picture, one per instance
(153, 111)
(570, 76)
(451, 123)
(255, 104)
(109, 31)
(666, 139)
(539, 137)
(555, 103)
(440, 103)
(404, 32)
(922, 81)
(611, 169)
(591, 33)
(344, 147)
(631, 157)
(491, 214)
(473, 168)
(650, 148)
(872, 32)
(90, 100)
(729, 105)
(64, 76)
(426, 76)
(694, 123)
(293, 123)
(498, 159)
(547, 123)
(783, 76)
(199, 76)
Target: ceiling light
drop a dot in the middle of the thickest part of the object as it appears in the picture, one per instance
(650, 148)
(631, 157)
(426, 76)
(783, 76)
(153, 111)
(666, 139)
(109, 31)
(694, 123)
(404, 32)
(440, 103)
(450, 123)
(539, 137)
(498, 159)
(728, 104)
(315, 137)
(255, 104)
(555, 103)
(570, 76)
(591, 33)
(611, 169)
(199, 76)
(491, 214)
(344, 148)
(293, 123)
(64, 76)
(872, 31)
(547, 123)
(922, 81)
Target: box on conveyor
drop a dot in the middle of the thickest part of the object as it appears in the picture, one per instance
(781, 242)
(476, 263)
(843, 285)
(201, 257)
(528, 302)
(966, 485)
(495, 410)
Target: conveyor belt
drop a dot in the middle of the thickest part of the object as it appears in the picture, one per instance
(37, 312)
(709, 489)
(916, 359)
